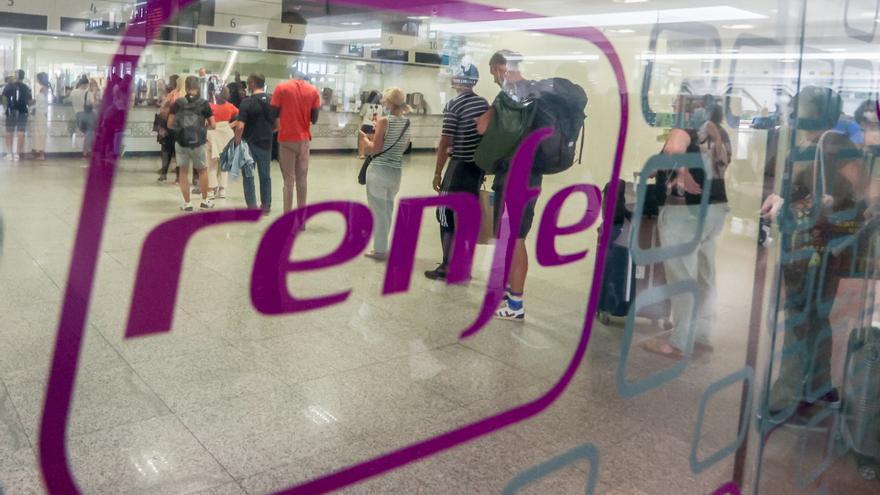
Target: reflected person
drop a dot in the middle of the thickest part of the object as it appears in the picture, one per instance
(821, 205)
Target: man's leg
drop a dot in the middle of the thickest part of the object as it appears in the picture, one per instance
(302, 173)
(287, 163)
(263, 159)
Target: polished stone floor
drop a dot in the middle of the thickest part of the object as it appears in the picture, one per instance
(233, 402)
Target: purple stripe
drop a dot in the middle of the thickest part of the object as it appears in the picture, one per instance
(59, 392)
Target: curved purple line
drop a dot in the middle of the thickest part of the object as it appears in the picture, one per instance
(57, 473)
(405, 455)
(59, 391)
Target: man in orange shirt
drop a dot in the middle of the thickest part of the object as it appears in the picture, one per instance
(298, 103)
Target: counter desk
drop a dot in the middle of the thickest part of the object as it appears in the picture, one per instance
(335, 131)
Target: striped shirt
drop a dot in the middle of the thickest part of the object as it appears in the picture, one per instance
(459, 124)
(393, 157)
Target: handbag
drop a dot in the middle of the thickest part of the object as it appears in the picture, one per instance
(362, 175)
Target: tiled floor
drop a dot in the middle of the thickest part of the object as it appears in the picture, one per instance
(233, 402)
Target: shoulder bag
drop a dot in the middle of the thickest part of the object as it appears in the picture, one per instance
(362, 175)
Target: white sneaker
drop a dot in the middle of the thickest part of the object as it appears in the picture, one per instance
(207, 204)
(505, 312)
(16, 157)
(186, 207)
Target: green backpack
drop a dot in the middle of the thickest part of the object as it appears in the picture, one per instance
(510, 124)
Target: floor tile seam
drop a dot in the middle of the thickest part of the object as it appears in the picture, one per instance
(17, 413)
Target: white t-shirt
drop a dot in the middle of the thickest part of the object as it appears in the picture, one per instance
(370, 111)
(78, 98)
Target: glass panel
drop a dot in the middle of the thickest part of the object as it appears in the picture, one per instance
(655, 254)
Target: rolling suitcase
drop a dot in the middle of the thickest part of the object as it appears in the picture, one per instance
(861, 411)
(623, 280)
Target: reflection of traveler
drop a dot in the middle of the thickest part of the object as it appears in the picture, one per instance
(85, 99)
(370, 111)
(298, 104)
(164, 135)
(218, 138)
(384, 174)
(678, 223)
(504, 66)
(237, 91)
(462, 175)
(255, 124)
(190, 118)
(866, 117)
(827, 178)
(17, 99)
(41, 117)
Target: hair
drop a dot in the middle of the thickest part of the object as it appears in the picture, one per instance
(43, 79)
(257, 79)
(508, 58)
(19, 75)
(173, 82)
(192, 84)
(82, 81)
(716, 114)
(374, 97)
(223, 96)
(867, 106)
(395, 99)
(816, 109)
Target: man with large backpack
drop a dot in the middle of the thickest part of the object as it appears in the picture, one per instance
(17, 98)
(522, 107)
(191, 117)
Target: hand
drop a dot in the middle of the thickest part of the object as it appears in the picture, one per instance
(688, 183)
(772, 205)
(437, 182)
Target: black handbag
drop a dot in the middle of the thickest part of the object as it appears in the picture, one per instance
(362, 175)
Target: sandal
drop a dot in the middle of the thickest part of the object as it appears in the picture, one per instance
(662, 348)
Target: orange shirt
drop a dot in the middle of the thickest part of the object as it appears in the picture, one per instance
(224, 112)
(296, 99)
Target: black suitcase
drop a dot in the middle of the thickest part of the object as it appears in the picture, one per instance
(623, 280)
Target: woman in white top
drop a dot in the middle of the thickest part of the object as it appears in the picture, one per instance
(85, 99)
(41, 116)
(371, 110)
(383, 176)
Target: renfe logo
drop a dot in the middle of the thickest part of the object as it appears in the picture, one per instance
(158, 274)
(272, 263)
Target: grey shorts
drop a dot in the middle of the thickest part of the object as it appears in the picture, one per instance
(190, 157)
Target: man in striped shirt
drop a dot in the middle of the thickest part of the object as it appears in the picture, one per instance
(459, 140)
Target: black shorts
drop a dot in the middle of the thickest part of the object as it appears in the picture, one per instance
(16, 121)
(368, 129)
(460, 176)
(528, 217)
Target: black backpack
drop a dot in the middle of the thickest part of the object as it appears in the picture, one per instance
(190, 123)
(560, 105)
(19, 98)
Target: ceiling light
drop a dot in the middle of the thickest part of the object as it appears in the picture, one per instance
(419, 17)
(622, 31)
(635, 18)
(508, 10)
(835, 49)
(630, 1)
(739, 26)
(351, 23)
